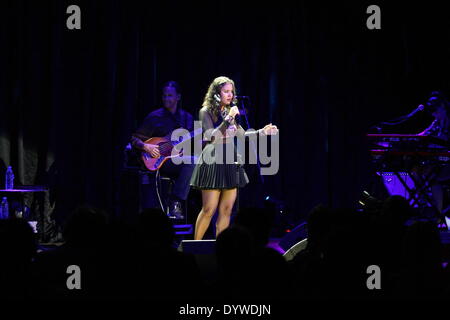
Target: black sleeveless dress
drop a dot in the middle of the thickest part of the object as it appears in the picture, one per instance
(218, 165)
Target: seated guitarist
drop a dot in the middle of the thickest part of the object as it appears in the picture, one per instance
(161, 123)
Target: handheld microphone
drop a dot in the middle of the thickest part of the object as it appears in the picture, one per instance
(237, 116)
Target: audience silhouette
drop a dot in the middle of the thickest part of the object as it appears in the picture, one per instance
(140, 260)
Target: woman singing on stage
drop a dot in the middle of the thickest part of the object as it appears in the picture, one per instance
(214, 175)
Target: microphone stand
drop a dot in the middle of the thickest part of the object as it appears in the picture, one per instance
(238, 185)
(252, 145)
(397, 121)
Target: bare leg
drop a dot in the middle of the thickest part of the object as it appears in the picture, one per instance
(210, 200)
(227, 199)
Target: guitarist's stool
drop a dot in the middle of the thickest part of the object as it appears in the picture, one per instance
(155, 191)
(151, 186)
(164, 186)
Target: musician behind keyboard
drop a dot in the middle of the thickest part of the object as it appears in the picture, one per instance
(438, 105)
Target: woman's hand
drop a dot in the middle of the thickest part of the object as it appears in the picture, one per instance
(152, 149)
(270, 130)
(233, 111)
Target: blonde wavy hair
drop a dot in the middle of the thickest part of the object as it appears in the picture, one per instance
(210, 102)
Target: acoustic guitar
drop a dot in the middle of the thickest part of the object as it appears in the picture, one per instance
(165, 149)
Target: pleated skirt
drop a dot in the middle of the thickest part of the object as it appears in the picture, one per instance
(215, 171)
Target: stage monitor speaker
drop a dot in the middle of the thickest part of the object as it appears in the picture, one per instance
(205, 257)
(292, 252)
(297, 234)
(198, 246)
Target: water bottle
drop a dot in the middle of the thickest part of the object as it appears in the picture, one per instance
(9, 181)
(4, 209)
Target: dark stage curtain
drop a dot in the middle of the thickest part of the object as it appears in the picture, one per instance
(70, 99)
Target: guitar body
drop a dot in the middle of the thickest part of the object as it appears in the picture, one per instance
(165, 150)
